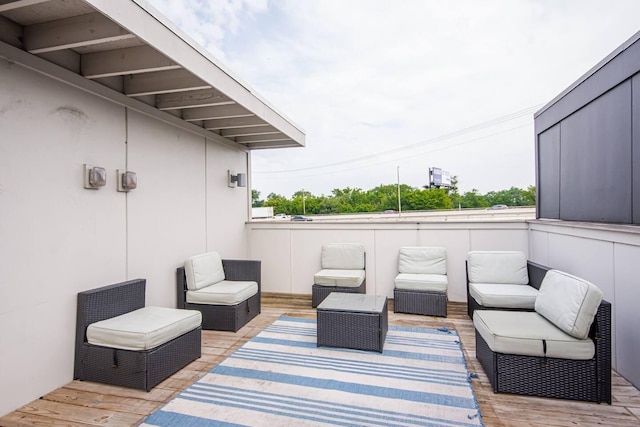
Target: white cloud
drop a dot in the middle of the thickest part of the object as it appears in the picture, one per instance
(369, 76)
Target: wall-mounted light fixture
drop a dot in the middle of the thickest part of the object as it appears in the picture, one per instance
(127, 180)
(237, 180)
(94, 177)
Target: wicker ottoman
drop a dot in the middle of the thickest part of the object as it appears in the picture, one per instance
(356, 321)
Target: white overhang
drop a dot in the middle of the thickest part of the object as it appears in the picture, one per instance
(126, 51)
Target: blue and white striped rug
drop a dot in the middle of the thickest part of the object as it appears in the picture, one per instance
(280, 378)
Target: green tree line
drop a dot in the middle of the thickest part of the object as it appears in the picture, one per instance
(385, 197)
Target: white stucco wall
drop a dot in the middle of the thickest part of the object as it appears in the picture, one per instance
(57, 238)
(290, 252)
(606, 255)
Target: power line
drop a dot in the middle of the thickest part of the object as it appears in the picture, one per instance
(473, 128)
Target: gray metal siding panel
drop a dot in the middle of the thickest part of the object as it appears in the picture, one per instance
(619, 69)
(549, 173)
(635, 114)
(595, 159)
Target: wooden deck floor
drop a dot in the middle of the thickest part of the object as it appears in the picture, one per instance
(90, 404)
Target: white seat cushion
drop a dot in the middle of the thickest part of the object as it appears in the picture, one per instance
(203, 270)
(502, 295)
(346, 278)
(143, 329)
(523, 333)
(508, 267)
(421, 282)
(422, 260)
(342, 256)
(568, 302)
(227, 292)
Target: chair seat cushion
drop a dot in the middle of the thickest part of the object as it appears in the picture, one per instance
(143, 329)
(421, 282)
(346, 278)
(502, 295)
(526, 333)
(227, 292)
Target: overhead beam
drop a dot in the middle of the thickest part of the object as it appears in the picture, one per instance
(241, 122)
(217, 112)
(262, 138)
(118, 62)
(275, 144)
(162, 82)
(6, 5)
(256, 130)
(68, 33)
(192, 99)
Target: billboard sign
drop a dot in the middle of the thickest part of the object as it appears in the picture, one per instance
(439, 178)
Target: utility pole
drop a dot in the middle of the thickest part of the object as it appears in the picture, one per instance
(399, 201)
(304, 208)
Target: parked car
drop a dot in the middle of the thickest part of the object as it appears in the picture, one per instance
(497, 207)
(389, 211)
(300, 218)
(281, 216)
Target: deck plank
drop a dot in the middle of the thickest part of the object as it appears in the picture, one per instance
(87, 404)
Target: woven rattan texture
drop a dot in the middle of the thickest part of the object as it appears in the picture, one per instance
(420, 302)
(356, 330)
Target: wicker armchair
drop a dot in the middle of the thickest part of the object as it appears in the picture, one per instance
(225, 317)
(343, 270)
(142, 369)
(421, 283)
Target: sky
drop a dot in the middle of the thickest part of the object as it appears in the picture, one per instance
(386, 89)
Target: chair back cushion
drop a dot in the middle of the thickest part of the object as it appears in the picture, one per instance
(203, 270)
(568, 302)
(496, 267)
(342, 256)
(422, 260)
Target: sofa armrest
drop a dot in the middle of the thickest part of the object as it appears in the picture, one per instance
(536, 273)
(245, 270)
(601, 334)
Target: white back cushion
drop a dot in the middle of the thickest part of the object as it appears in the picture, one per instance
(497, 267)
(422, 260)
(342, 256)
(568, 302)
(203, 270)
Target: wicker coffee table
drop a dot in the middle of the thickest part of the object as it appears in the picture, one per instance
(356, 321)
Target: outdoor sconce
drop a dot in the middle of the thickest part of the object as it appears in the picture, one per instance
(94, 177)
(127, 180)
(239, 180)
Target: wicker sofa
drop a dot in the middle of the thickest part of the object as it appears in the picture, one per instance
(421, 284)
(227, 292)
(342, 270)
(141, 368)
(503, 280)
(560, 350)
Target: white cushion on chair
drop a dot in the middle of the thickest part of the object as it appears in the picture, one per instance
(203, 270)
(497, 267)
(227, 292)
(346, 278)
(342, 256)
(568, 302)
(143, 329)
(527, 333)
(422, 260)
(421, 282)
(503, 295)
